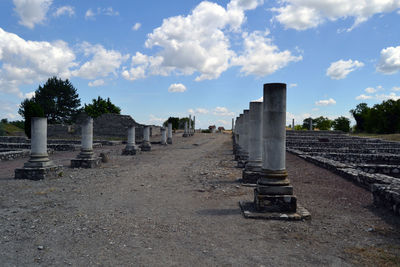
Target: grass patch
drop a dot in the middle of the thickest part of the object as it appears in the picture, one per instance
(10, 129)
(389, 137)
(375, 256)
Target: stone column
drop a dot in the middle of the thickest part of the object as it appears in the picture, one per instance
(194, 125)
(185, 131)
(293, 124)
(310, 122)
(86, 158)
(169, 139)
(273, 192)
(238, 137)
(163, 136)
(232, 124)
(244, 155)
(39, 165)
(146, 145)
(131, 147)
(252, 170)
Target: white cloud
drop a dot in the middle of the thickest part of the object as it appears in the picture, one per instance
(292, 85)
(29, 95)
(363, 97)
(261, 57)
(223, 123)
(26, 62)
(31, 12)
(396, 88)
(109, 11)
(103, 62)
(155, 120)
(392, 96)
(176, 88)
(143, 65)
(305, 14)
(96, 83)
(389, 62)
(223, 111)
(64, 10)
(136, 26)
(326, 102)
(198, 111)
(370, 90)
(341, 68)
(261, 99)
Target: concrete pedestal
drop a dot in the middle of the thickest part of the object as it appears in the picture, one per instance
(169, 138)
(146, 145)
(39, 165)
(131, 147)
(86, 158)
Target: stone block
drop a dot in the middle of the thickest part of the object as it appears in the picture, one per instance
(88, 163)
(38, 173)
(274, 203)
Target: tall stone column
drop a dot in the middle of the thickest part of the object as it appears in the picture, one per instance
(190, 125)
(244, 155)
(185, 131)
(293, 124)
(86, 158)
(39, 165)
(310, 124)
(163, 136)
(232, 124)
(252, 170)
(169, 139)
(131, 147)
(273, 192)
(194, 125)
(146, 145)
(239, 137)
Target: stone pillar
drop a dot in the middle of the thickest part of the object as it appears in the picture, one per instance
(163, 136)
(293, 124)
(169, 139)
(273, 192)
(146, 145)
(239, 137)
(86, 158)
(232, 124)
(244, 155)
(310, 122)
(131, 147)
(185, 131)
(194, 125)
(39, 165)
(252, 170)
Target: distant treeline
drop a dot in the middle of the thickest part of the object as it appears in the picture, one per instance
(382, 118)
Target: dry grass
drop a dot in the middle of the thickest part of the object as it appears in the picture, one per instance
(389, 137)
(375, 256)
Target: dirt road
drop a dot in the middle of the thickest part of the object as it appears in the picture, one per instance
(178, 206)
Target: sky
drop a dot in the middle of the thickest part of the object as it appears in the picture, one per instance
(157, 58)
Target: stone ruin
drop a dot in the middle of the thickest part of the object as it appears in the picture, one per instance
(370, 163)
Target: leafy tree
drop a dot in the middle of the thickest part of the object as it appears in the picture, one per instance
(360, 114)
(182, 122)
(5, 120)
(19, 124)
(341, 124)
(322, 123)
(298, 127)
(306, 123)
(30, 109)
(174, 121)
(101, 106)
(2, 131)
(58, 99)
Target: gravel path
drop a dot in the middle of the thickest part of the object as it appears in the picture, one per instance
(178, 205)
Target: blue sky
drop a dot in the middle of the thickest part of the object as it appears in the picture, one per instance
(157, 58)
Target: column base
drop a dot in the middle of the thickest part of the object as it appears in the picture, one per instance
(146, 146)
(131, 150)
(185, 135)
(88, 163)
(249, 212)
(250, 177)
(169, 141)
(38, 173)
(274, 203)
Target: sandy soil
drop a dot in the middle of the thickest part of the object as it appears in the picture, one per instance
(178, 206)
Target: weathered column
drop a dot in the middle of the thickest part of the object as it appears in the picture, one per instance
(131, 147)
(310, 122)
(163, 136)
(169, 139)
(293, 124)
(239, 137)
(86, 158)
(232, 124)
(194, 125)
(39, 165)
(185, 131)
(146, 145)
(252, 170)
(244, 156)
(273, 192)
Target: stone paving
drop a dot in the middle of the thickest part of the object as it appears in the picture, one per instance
(371, 163)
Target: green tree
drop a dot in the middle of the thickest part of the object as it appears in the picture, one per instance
(58, 99)
(322, 123)
(174, 121)
(101, 106)
(182, 122)
(360, 114)
(341, 124)
(29, 109)
(306, 123)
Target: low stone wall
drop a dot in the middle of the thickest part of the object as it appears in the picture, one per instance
(13, 139)
(55, 147)
(14, 154)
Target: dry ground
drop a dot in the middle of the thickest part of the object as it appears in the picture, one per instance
(178, 206)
